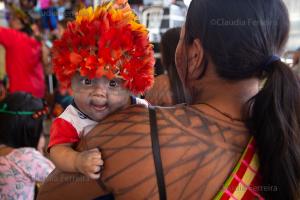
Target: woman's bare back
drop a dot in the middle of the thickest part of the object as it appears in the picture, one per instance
(199, 149)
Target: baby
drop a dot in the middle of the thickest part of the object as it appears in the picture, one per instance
(106, 57)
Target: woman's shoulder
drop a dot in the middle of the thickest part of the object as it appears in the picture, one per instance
(128, 113)
(138, 110)
(181, 118)
(181, 115)
(192, 143)
(135, 117)
(179, 111)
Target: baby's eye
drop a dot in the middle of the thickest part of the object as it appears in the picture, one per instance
(86, 81)
(113, 83)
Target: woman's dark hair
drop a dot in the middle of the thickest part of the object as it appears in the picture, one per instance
(17, 130)
(168, 46)
(239, 37)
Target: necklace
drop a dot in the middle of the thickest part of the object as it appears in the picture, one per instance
(223, 113)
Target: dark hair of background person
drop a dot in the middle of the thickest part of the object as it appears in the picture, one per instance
(28, 4)
(168, 46)
(20, 130)
(239, 52)
(23, 16)
(26, 26)
(64, 22)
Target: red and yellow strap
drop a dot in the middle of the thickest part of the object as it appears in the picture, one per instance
(244, 181)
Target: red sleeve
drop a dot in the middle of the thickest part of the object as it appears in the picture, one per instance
(62, 132)
(8, 36)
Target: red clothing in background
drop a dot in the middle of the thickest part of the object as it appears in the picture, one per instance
(23, 62)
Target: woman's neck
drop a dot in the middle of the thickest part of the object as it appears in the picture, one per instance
(228, 97)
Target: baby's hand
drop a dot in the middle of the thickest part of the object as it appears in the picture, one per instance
(89, 163)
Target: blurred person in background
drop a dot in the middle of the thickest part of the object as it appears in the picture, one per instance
(27, 4)
(62, 96)
(21, 164)
(2, 90)
(62, 25)
(24, 67)
(296, 57)
(48, 16)
(2, 73)
(167, 89)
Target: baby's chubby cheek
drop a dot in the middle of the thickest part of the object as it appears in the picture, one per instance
(120, 101)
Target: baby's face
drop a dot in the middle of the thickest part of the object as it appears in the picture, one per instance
(99, 97)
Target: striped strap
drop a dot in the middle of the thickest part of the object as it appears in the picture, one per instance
(241, 183)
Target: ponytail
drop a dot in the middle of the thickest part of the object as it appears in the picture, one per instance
(274, 121)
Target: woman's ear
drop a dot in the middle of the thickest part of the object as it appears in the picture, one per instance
(196, 57)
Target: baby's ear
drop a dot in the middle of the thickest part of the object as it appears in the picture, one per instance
(73, 85)
(75, 80)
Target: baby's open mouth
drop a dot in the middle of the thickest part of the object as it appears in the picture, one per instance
(99, 107)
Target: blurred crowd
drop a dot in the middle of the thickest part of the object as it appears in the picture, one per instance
(27, 33)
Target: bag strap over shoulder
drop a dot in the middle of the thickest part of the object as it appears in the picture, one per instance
(156, 155)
